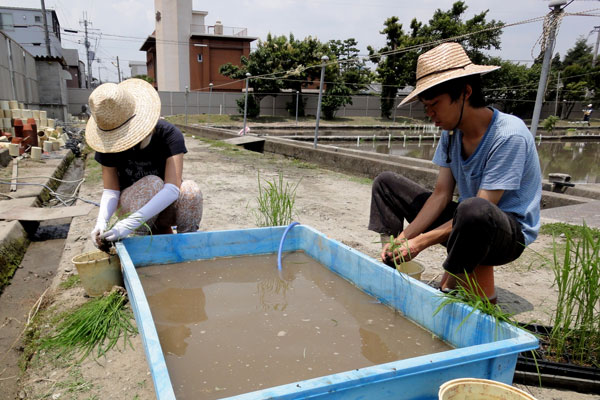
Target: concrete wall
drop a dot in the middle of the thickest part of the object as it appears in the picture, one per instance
(52, 89)
(172, 48)
(368, 164)
(18, 75)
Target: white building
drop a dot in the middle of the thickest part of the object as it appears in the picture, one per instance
(26, 27)
(138, 68)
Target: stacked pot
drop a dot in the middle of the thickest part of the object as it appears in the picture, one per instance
(23, 130)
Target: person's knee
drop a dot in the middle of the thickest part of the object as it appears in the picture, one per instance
(473, 211)
(382, 180)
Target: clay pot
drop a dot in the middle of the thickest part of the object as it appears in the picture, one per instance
(18, 125)
(30, 134)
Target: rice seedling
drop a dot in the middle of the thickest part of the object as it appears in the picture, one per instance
(97, 324)
(576, 320)
(275, 201)
(396, 250)
(467, 292)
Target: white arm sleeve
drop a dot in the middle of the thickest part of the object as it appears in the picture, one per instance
(161, 200)
(108, 205)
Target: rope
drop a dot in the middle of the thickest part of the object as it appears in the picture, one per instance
(552, 22)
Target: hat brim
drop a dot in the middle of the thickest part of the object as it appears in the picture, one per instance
(147, 113)
(436, 79)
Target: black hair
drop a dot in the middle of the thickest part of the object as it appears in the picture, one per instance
(455, 87)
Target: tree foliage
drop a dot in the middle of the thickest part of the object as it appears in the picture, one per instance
(285, 63)
(397, 68)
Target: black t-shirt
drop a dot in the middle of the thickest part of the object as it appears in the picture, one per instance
(135, 163)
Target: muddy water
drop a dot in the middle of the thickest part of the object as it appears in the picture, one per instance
(234, 325)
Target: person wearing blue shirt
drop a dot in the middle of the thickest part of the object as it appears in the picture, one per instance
(489, 156)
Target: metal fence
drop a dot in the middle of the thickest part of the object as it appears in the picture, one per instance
(174, 103)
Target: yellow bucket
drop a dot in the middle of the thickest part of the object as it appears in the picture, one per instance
(480, 389)
(412, 268)
(98, 272)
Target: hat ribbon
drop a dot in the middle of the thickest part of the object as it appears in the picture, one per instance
(113, 129)
(443, 70)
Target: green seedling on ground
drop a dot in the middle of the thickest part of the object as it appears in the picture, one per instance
(96, 325)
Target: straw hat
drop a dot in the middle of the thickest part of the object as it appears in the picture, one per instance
(443, 63)
(122, 115)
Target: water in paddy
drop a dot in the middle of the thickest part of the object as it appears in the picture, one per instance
(581, 160)
(234, 325)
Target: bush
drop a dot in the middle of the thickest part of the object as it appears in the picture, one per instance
(253, 106)
(550, 122)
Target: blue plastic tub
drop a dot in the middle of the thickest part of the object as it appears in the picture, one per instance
(483, 349)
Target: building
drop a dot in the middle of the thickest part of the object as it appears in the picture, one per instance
(183, 52)
(26, 27)
(76, 69)
(138, 68)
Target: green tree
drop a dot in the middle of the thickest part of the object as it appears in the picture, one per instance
(345, 78)
(581, 82)
(513, 87)
(397, 68)
(284, 61)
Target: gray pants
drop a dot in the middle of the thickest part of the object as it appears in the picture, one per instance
(482, 234)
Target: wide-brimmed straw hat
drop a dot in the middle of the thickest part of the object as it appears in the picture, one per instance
(443, 63)
(122, 115)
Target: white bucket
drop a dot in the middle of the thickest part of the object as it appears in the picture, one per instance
(98, 272)
(412, 268)
(480, 389)
(36, 153)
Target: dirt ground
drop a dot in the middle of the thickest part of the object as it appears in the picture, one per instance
(333, 203)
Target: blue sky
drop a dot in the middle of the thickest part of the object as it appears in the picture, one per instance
(120, 26)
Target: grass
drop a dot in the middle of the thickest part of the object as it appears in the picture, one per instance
(96, 325)
(275, 202)
(573, 231)
(93, 170)
(70, 282)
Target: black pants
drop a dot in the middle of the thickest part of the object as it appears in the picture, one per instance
(482, 234)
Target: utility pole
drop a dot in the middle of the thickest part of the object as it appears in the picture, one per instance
(558, 87)
(324, 60)
(46, 34)
(596, 29)
(557, 10)
(119, 69)
(87, 53)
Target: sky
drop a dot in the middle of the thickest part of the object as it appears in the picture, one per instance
(119, 27)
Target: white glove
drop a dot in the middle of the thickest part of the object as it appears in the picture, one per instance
(108, 205)
(161, 200)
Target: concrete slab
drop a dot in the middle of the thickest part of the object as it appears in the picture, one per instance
(45, 214)
(575, 214)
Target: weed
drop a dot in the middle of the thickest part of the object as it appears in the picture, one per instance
(275, 202)
(303, 164)
(93, 169)
(70, 282)
(573, 231)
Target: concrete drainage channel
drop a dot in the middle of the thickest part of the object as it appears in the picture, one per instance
(39, 247)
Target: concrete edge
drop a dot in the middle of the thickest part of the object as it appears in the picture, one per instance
(352, 161)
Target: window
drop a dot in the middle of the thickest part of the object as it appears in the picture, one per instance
(6, 21)
(38, 18)
(199, 57)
